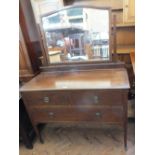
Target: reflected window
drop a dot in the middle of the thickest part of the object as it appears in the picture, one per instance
(77, 34)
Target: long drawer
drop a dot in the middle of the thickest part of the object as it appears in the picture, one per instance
(46, 98)
(94, 114)
(97, 97)
(73, 98)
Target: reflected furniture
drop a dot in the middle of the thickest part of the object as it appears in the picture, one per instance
(76, 44)
(86, 88)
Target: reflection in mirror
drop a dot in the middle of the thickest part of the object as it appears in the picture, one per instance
(77, 34)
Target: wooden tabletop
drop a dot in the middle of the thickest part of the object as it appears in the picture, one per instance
(94, 79)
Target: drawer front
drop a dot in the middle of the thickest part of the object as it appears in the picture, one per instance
(46, 98)
(59, 114)
(73, 98)
(97, 98)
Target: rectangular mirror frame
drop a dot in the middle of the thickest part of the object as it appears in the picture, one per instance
(75, 62)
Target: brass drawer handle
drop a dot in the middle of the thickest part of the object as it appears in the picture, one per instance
(98, 114)
(96, 99)
(46, 99)
(51, 114)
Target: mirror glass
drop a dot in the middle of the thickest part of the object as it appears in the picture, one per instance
(77, 34)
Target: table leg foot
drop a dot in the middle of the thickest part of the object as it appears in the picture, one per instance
(41, 139)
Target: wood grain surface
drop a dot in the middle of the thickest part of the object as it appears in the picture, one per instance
(95, 79)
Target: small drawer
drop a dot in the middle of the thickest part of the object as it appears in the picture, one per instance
(46, 98)
(97, 97)
(57, 114)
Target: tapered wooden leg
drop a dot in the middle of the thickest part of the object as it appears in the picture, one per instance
(125, 102)
(38, 134)
(125, 135)
(34, 124)
(41, 139)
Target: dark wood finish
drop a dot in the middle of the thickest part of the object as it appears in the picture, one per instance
(125, 57)
(25, 70)
(47, 98)
(31, 41)
(79, 80)
(26, 132)
(132, 57)
(125, 121)
(83, 96)
(68, 2)
(96, 98)
(71, 98)
(80, 114)
(93, 91)
(76, 66)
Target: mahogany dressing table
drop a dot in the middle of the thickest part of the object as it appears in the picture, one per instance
(80, 88)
